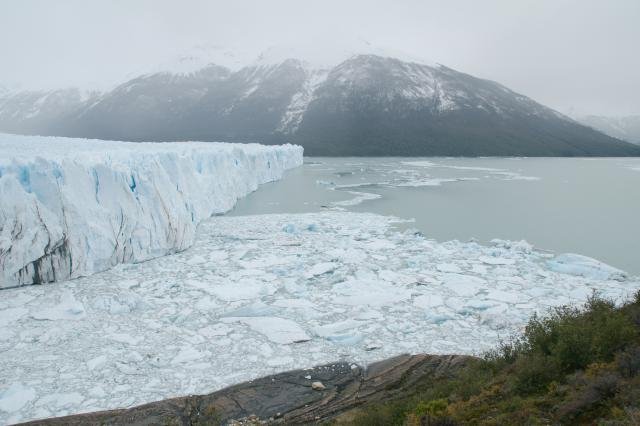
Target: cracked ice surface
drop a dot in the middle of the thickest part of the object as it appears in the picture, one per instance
(261, 294)
(72, 207)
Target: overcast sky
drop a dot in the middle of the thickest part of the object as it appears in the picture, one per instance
(580, 54)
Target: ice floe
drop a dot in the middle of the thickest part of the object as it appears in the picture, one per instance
(260, 294)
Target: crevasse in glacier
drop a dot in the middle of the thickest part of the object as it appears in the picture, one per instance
(72, 207)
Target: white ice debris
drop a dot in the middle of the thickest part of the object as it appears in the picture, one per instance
(576, 264)
(277, 330)
(14, 397)
(492, 171)
(340, 286)
(359, 198)
(71, 207)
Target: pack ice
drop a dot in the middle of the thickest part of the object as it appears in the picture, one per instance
(72, 207)
(261, 294)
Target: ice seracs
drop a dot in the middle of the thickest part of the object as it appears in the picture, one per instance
(72, 207)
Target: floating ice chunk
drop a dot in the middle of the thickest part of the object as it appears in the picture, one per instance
(60, 400)
(369, 314)
(242, 290)
(93, 363)
(395, 277)
(187, 354)
(490, 260)
(346, 338)
(207, 303)
(350, 255)
(522, 245)
(583, 266)
(258, 309)
(372, 293)
(276, 329)
(506, 296)
(97, 391)
(7, 316)
(464, 285)
(215, 330)
(195, 260)
(448, 267)
(479, 305)
(457, 304)
(121, 303)
(379, 244)
(335, 328)
(438, 318)
(581, 293)
(69, 308)
(359, 198)
(128, 284)
(294, 303)
(420, 163)
(279, 361)
(320, 269)
(15, 397)
(514, 176)
(341, 332)
(427, 301)
(289, 228)
(125, 338)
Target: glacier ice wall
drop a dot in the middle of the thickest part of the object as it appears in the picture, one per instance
(72, 207)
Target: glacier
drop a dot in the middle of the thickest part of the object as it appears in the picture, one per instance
(73, 207)
(261, 294)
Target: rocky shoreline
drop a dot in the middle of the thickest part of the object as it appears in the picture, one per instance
(295, 397)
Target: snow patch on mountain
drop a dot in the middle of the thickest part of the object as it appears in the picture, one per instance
(300, 101)
(324, 55)
(72, 207)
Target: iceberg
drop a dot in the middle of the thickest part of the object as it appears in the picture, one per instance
(583, 266)
(73, 207)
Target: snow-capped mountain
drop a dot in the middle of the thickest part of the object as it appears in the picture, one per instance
(335, 104)
(626, 128)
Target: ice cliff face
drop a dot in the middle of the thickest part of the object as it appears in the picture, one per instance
(72, 207)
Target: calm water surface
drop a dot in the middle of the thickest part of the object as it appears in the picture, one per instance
(586, 206)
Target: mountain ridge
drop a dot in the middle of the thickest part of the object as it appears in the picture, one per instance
(626, 128)
(365, 105)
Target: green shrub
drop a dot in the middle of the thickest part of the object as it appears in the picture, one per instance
(628, 362)
(572, 365)
(435, 407)
(534, 373)
(573, 338)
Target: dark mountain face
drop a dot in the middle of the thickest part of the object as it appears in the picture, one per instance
(377, 106)
(367, 105)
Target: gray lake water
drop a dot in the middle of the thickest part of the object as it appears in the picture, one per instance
(577, 205)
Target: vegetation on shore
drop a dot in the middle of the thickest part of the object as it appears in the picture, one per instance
(571, 366)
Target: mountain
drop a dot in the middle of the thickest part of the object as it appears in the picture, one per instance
(626, 128)
(364, 104)
(44, 112)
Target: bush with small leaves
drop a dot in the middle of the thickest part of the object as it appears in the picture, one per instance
(628, 362)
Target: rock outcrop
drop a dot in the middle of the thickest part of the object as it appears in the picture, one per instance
(285, 398)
